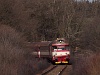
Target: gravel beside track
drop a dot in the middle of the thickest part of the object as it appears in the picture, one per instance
(68, 70)
(56, 70)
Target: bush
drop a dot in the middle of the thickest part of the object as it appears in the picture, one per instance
(87, 66)
(11, 50)
(33, 66)
(15, 58)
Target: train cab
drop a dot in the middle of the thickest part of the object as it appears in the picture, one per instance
(60, 51)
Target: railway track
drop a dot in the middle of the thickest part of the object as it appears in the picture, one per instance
(55, 70)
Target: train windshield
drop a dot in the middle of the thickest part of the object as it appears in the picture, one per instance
(61, 48)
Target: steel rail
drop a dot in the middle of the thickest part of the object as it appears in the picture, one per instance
(49, 70)
(62, 70)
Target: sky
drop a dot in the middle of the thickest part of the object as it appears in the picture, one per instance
(88, 0)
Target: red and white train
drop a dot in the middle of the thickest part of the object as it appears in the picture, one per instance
(58, 51)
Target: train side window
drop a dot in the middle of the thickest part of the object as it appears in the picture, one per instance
(55, 48)
(44, 48)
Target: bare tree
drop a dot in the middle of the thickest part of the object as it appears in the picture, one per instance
(11, 51)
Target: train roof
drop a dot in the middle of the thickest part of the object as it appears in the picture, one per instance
(60, 41)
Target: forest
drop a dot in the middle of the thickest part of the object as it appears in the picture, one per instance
(23, 21)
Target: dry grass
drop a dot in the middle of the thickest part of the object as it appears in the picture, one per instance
(87, 65)
(94, 66)
(11, 51)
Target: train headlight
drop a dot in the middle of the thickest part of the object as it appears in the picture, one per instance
(68, 52)
(60, 41)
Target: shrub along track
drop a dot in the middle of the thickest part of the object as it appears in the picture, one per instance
(55, 70)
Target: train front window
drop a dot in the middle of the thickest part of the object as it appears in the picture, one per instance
(61, 47)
